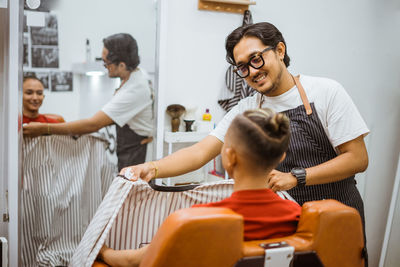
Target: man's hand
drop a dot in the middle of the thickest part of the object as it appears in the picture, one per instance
(146, 140)
(145, 171)
(100, 256)
(34, 129)
(279, 181)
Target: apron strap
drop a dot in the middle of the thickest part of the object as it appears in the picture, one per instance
(303, 95)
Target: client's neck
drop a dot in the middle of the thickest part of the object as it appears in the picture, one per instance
(250, 180)
(30, 114)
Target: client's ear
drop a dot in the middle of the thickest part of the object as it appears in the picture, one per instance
(283, 157)
(230, 159)
(122, 65)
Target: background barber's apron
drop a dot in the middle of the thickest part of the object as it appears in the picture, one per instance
(129, 150)
(309, 146)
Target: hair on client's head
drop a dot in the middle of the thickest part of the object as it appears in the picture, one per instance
(261, 136)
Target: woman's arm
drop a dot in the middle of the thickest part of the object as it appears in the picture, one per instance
(182, 161)
(79, 127)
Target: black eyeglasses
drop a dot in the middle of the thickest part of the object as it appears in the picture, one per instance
(256, 62)
(107, 64)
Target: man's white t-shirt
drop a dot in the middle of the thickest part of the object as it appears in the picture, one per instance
(338, 115)
(132, 105)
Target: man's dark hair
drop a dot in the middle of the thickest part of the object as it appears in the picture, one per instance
(122, 47)
(266, 32)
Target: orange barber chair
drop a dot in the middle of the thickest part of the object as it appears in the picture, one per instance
(329, 233)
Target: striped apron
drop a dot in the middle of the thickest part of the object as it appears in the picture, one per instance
(309, 146)
(64, 181)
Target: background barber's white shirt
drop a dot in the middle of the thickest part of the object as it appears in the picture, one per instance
(339, 116)
(132, 105)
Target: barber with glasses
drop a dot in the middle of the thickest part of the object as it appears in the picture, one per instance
(130, 109)
(327, 143)
(327, 132)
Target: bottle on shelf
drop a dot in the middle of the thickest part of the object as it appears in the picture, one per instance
(207, 115)
(205, 125)
(88, 51)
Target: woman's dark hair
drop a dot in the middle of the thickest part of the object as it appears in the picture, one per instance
(264, 134)
(122, 47)
(31, 77)
(266, 32)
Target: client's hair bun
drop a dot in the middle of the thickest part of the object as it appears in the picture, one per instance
(273, 124)
(278, 124)
(265, 133)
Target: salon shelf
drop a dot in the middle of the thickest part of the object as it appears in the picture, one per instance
(230, 6)
(234, 2)
(184, 137)
(92, 68)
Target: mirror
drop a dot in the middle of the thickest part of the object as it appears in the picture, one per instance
(65, 39)
(61, 41)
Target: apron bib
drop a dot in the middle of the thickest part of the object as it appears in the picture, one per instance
(309, 146)
(129, 150)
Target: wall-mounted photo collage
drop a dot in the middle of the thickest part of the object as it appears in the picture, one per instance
(41, 54)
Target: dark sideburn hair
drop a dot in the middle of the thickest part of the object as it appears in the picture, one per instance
(122, 47)
(266, 32)
(265, 135)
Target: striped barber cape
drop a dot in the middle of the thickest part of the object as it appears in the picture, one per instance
(64, 181)
(132, 212)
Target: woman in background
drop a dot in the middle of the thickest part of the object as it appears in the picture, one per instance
(32, 100)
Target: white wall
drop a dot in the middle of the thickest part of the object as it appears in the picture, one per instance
(196, 55)
(355, 42)
(95, 20)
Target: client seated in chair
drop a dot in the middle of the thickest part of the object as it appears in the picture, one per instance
(254, 145)
(33, 96)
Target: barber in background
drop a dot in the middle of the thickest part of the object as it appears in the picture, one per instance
(32, 100)
(130, 108)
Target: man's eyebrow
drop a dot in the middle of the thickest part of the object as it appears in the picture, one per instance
(248, 57)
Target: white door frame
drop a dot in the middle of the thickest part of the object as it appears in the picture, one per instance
(11, 135)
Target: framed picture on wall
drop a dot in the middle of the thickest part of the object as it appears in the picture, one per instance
(47, 35)
(45, 57)
(61, 81)
(25, 24)
(27, 58)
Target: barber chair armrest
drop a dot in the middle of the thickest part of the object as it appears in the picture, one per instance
(100, 264)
